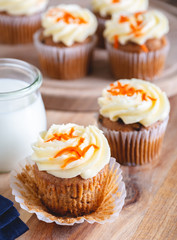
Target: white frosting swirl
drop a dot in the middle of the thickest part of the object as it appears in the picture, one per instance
(22, 7)
(138, 28)
(51, 154)
(109, 7)
(146, 106)
(69, 24)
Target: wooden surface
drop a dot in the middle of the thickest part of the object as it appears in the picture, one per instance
(81, 95)
(150, 211)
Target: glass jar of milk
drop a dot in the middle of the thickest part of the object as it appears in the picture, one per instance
(22, 112)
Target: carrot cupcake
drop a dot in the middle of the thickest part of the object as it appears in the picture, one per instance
(133, 116)
(137, 44)
(19, 20)
(71, 168)
(104, 9)
(66, 42)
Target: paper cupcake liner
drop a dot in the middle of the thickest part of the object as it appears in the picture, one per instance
(22, 182)
(136, 147)
(141, 65)
(100, 30)
(18, 29)
(67, 62)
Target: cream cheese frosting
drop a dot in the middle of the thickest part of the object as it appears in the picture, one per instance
(109, 7)
(22, 7)
(134, 101)
(137, 27)
(67, 151)
(69, 23)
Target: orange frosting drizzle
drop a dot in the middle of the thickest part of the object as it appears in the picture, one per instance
(125, 89)
(76, 152)
(67, 17)
(135, 29)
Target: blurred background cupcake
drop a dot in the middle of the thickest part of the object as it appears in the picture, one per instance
(133, 116)
(136, 44)
(104, 9)
(19, 19)
(71, 168)
(66, 42)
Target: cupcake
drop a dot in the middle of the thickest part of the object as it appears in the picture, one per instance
(71, 168)
(104, 9)
(133, 116)
(136, 44)
(66, 42)
(19, 20)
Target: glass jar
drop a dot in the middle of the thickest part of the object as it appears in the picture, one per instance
(22, 112)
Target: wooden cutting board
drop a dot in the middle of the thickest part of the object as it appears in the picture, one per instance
(82, 94)
(150, 211)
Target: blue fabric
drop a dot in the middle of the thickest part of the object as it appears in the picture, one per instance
(8, 217)
(5, 204)
(11, 226)
(13, 230)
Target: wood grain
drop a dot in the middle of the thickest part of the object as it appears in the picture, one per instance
(160, 221)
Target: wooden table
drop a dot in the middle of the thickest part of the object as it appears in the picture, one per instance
(150, 211)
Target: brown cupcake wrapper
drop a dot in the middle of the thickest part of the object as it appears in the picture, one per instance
(136, 147)
(67, 62)
(18, 29)
(100, 30)
(141, 65)
(71, 197)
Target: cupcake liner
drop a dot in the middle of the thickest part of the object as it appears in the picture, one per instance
(100, 30)
(67, 62)
(141, 65)
(18, 29)
(73, 197)
(22, 182)
(136, 147)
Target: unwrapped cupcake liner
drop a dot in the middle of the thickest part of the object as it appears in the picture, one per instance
(147, 66)
(135, 147)
(18, 29)
(100, 30)
(66, 62)
(22, 182)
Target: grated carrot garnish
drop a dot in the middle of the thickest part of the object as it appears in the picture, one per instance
(67, 17)
(116, 41)
(75, 151)
(124, 19)
(62, 136)
(120, 89)
(115, 1)
(144, 48)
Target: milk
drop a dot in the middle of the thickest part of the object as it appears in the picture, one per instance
(21, 120)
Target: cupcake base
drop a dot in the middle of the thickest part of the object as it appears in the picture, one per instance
(135, 147)
(147, 66)
(65, 63)
(18, 29)
(71, 196)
